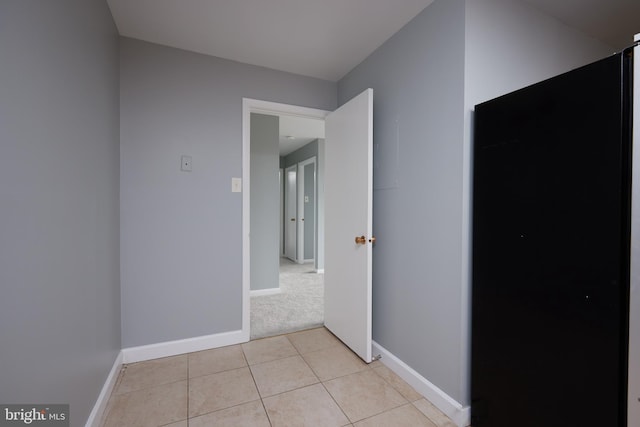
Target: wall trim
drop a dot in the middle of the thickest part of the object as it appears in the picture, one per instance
(264, 292)
(320, 270)
(95, 417)
(460, 415)
(173, 348)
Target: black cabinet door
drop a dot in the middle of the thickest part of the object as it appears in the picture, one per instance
(551, 252)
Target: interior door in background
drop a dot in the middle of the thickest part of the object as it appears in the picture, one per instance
(290, 218)
(306, 209)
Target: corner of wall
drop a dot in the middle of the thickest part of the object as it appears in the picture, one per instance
(459, 414)
(98, 411)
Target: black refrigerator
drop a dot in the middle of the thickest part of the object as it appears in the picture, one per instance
(551, 243)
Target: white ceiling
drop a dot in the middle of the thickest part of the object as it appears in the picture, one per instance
(612, 21)
(324, 38)
(296, 132)
(318, 38)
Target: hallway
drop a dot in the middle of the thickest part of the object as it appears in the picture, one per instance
(298, 306)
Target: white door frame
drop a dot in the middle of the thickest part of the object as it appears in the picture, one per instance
(265, 107)
(281, 181)
(300, 178)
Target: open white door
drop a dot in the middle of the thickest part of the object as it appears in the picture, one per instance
(348, 215)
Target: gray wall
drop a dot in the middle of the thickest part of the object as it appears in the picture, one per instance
(265, 202)
(59, 174)
(303, 153)
(181, 233)
(426, 79)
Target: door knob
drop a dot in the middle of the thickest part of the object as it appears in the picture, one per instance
(361, 240)
(293, 219)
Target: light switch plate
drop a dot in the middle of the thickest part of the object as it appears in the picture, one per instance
(185, 163)
(236, 185)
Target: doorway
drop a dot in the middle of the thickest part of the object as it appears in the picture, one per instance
(301, 220)
(348, 290)
(347, 300)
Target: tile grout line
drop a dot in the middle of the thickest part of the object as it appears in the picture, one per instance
(256, 386)
(299, 388)
(406, 401)
(337, 404)
(410, 402)
(145, 388)
(265, 410)
(224, 409)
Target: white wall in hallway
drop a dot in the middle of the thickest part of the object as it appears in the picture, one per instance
(265, 201)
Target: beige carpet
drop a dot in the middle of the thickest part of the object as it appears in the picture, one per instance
(299, 305)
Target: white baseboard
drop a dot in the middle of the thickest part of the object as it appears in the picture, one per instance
(95, 417)
(172, 348)
(460, 415)
(320, 270)
(264, 292)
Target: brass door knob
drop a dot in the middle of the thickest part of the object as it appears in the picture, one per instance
(361, 240)
(372, 239)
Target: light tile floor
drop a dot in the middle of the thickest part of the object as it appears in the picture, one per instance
(306, 378)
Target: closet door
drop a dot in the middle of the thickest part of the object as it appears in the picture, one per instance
(291, 213)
